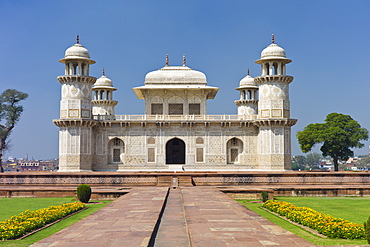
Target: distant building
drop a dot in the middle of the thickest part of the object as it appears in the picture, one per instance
(175, 132)
(26, 165)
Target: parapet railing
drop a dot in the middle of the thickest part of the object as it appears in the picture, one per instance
(172, 117)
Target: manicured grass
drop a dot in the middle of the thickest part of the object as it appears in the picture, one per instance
(256, 207)
(15, 206)
(42, 204)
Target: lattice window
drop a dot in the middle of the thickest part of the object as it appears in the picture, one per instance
(200, 155)
(117, 142)
(194, 109)
(234, 155)
(157, 109)
(199, 140)
(116, 147)
(151, 155)
(175, 109)
(234, 142)
(151, 140)
(116, 155)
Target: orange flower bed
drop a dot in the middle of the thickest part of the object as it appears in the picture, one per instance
(29, 221)
(325, 224)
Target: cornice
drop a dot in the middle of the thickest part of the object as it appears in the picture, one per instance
(275, 122)
(273, 78)
(104, 102)
(76, 78)
(245, 101)
(74, 122)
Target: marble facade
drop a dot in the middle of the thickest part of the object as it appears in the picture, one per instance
(175, 132)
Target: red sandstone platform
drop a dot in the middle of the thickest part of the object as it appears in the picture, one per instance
(192, 216)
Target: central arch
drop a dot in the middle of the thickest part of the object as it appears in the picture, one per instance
(175, 151)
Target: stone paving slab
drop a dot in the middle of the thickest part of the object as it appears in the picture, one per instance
(128, 221)
(214, 219)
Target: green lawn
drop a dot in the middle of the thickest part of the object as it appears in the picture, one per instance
(344, 207)
(15, 206)
(354, 209)
(12, 206)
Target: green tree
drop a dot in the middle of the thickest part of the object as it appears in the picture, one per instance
(338, 134)
(313, 159)
(365, 162)
(299, 162)
(10, 113)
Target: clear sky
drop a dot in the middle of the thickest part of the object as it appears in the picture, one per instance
(326, 40)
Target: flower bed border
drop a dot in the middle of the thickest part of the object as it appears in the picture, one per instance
(306, 228)
(30, 218)
(307, 217)
(46, 226)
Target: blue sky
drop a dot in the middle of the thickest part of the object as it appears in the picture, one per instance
(326, 40)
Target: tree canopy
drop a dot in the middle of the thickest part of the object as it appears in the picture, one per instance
(311, 161)
(338, 134)
(10, 113)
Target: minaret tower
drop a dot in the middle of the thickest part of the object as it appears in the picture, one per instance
(75, 145)
(274, 138)
(103, 103)
(247, 103)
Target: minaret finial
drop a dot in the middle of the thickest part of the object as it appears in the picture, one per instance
(77, 39)
(273, 39)
(183, 60)
(103, 72)
(248, 72)
(167, 60)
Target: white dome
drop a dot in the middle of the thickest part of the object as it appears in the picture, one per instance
(247, 82)
(104, 82)
(77, 50)
(175, 75)
(273, 51)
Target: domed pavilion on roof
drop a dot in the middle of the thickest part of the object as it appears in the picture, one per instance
(175, 132)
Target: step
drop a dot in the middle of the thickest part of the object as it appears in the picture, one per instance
(185, 181)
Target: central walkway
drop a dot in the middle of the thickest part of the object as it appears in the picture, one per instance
(187, 216)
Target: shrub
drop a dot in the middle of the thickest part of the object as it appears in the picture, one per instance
(265, 196)
(367, 230)
(83, 193)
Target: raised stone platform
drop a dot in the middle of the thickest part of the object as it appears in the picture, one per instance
(236, 184)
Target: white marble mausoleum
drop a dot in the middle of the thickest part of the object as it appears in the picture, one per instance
(174, 132)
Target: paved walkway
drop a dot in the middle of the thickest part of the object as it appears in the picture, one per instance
(192, 216)
(214, 219)
(173, 230)
(127, 221)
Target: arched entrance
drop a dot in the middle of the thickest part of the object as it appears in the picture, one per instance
(175, 151)
(234, 149)
(116, 148)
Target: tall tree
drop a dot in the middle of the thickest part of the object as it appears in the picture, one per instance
(10, 113)
(313, 159)
(338, 134)
(299, 162)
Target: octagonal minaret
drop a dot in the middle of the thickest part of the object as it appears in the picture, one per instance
(247, 103)
(274, 139)
(75, 123)
(103, 103)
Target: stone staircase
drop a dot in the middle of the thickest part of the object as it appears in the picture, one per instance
(174, 181)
